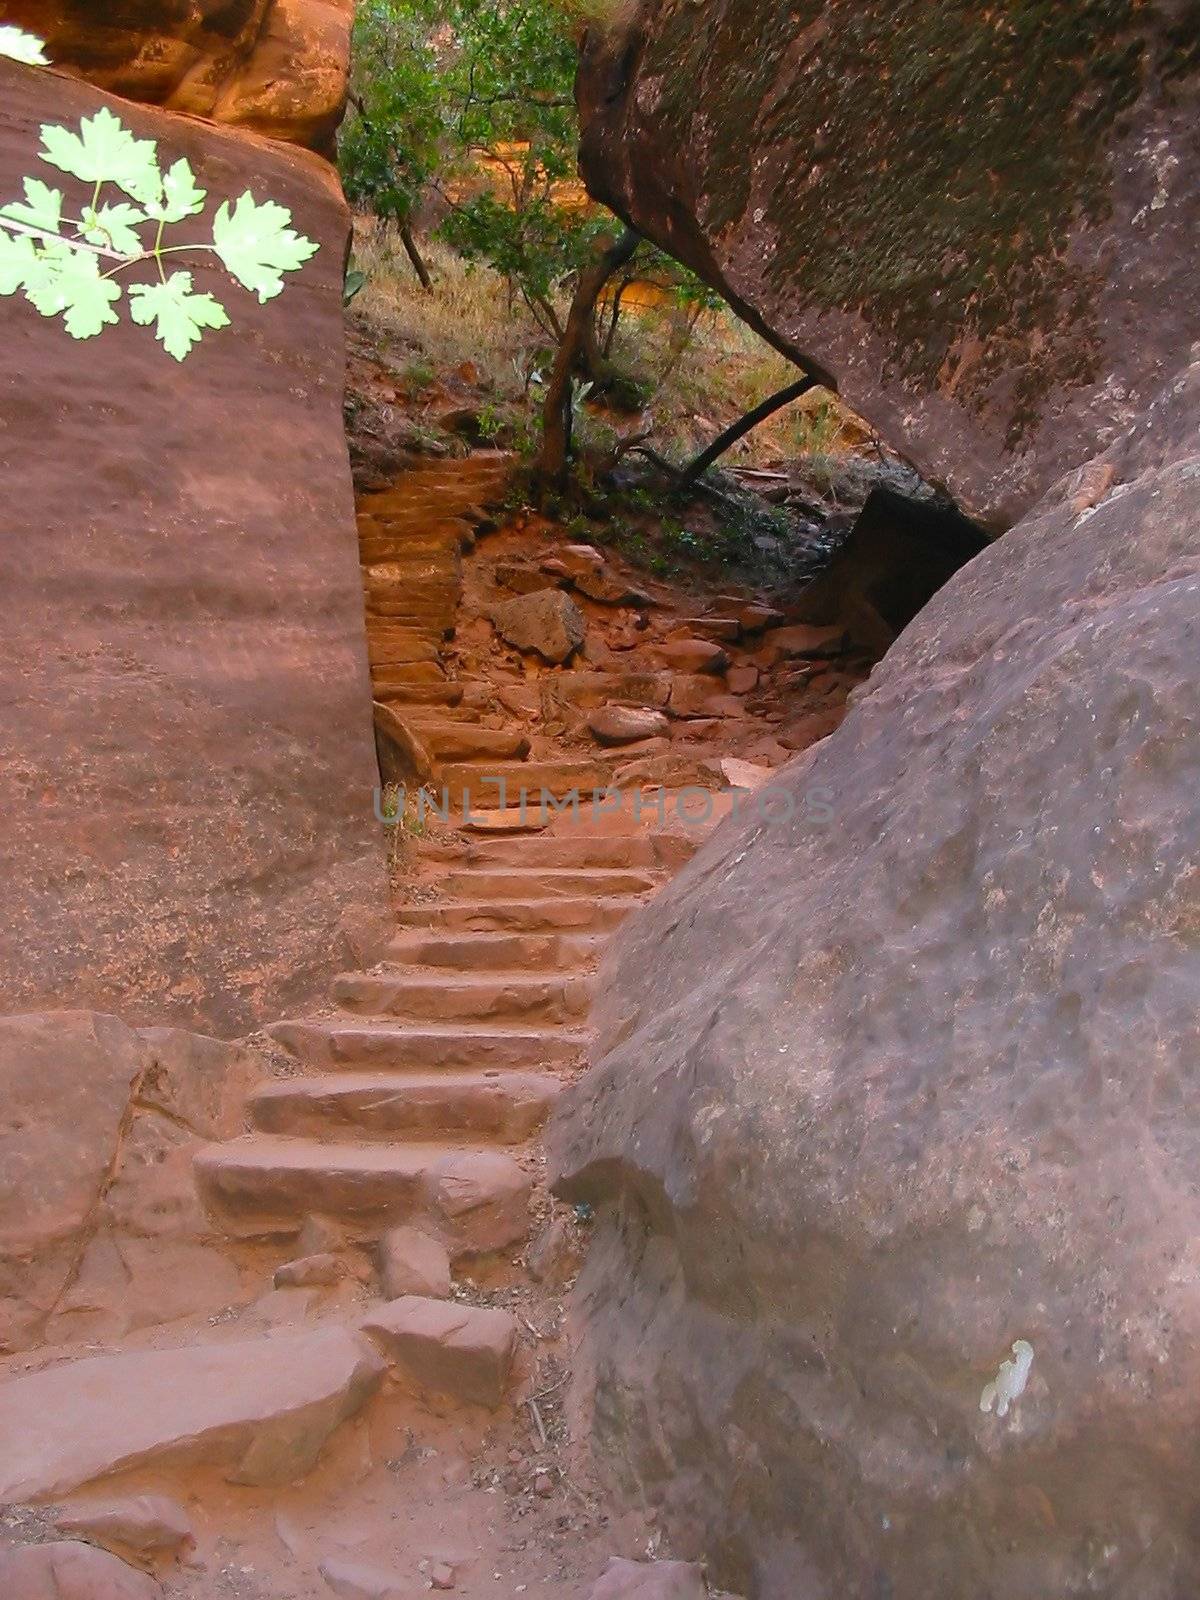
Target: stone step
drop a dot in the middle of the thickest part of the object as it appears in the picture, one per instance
(402, 692)
(261, 1409)
(505, 1106)
(407, 675)
(477, 786)
(333, 1044)
(569, 849)
(497, 952)
(395, 647)
(457, 741)
(390, 681)
(546, 883)
(565, 915)
(261, 1186)
(464, 997)
(503, 824)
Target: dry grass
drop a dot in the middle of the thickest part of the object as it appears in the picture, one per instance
(699, 380)
(467, 318)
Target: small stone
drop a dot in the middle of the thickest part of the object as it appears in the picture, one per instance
(355, 1580)
(618, 725)
(554, 1255)
(692, 655)
(442, 1576)
(744, 774)
(146, 1525)
(310, 1272)
(802, 640)
(69, 1570)
(320, 1236)
(548, 622)
(543, 1485)
(742, 680)
(412, 1262)
(649, 1580)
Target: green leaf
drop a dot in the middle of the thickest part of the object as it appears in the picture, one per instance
(179, 197)
(18, 258)
(113, 228)
(21, 46)
(41, 208)
(67, 283)
(181, 316)
(257, 245)
(104, 151)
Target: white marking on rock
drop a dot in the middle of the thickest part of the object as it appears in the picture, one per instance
(1009, 1383)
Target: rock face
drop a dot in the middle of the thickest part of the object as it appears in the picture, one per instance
(956, 214)
(276, 66)
(100, 1226)
(186, 766)
(894, 1144)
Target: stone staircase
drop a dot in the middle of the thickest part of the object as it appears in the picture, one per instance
(415, 1101)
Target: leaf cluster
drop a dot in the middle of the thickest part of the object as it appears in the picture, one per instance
(67, 258)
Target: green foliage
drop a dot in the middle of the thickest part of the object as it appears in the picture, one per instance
(67, 266)
(392, 143)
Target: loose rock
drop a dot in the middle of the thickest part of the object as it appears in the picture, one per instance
(692, 655)
(413, 1263)
(310, 1272)
(617, 725)
(649, 1580)
(71, 1571)
(464, 1351)
(548, 622)
(356, 1580)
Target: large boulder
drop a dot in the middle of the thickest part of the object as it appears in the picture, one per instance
(279, 67)
(977, 221)
(893, 1138)
(101, 1229)
(186, 767)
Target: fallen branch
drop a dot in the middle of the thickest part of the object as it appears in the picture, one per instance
(696, 469)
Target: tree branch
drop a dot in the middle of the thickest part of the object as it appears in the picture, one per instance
(696, 469)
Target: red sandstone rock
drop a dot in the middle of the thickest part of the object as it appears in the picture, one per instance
(623, 725)
(261, 1408)
(691, 655)
(358, 1580)
(70, 1571)
(276, 66)
(649, 1580)
(412, 1262)
(460, 1350)
(186, 783)
(548, 622)
(99, 1226)
(991, 357)
(147, 1526)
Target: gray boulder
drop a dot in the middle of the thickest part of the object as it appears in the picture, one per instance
(893, 1136)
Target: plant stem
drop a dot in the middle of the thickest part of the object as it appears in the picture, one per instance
(57, 238)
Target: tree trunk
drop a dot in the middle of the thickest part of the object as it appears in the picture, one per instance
(697, 468)
(550, 470)
(414, 255)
